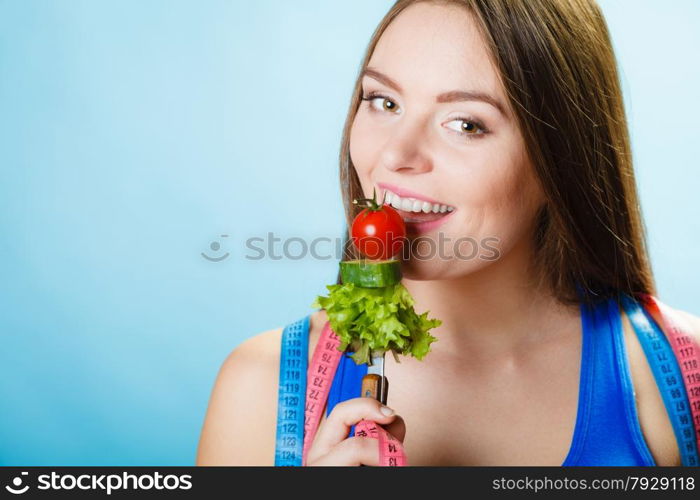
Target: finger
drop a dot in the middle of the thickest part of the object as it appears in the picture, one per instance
(351, 451)
(344, 415)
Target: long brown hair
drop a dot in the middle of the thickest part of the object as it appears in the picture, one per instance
(560, 74)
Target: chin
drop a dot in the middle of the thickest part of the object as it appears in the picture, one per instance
(417, 270)
(436, 269)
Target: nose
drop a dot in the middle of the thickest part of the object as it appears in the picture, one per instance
(405, 150)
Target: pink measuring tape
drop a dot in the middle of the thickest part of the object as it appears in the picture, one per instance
(319, 379)
(685, 348)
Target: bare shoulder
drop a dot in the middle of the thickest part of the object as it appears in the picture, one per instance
(240, 423)
(653, 417)
(240, 418)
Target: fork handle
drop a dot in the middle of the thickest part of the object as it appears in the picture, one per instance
(375, 386)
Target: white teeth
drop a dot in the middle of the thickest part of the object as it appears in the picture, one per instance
(413, 205)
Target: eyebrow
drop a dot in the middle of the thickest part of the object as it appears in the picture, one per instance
(450, 96)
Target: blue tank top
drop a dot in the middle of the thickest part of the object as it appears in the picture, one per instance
(607, 430)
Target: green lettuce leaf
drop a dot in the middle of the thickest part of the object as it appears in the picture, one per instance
(375, 320)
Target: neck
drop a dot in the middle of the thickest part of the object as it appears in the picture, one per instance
(497, 310)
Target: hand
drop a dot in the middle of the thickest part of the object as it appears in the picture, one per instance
(331, 446)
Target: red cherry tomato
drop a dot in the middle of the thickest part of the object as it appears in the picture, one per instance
(378, 231)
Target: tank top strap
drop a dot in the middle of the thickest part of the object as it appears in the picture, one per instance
(609, 432)
(347, 383)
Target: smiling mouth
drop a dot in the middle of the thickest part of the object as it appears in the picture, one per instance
(418, 217)
(415, 211)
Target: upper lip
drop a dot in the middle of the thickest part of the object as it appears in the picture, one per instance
(407, 193)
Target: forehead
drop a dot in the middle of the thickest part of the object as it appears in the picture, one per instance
(432, 48)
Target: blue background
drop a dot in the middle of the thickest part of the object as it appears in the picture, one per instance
(133, 135)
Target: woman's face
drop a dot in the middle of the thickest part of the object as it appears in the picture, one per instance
(459, 149)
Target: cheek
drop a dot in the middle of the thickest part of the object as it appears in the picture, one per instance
(500, 195)
(515, 211)
(362, 145)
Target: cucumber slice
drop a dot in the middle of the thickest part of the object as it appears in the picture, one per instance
(371, 273)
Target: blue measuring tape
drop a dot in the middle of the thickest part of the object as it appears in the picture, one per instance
(294, 360)
(669, 378)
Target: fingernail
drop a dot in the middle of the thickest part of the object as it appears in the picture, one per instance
(386, 410)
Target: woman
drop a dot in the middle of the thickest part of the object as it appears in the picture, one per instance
(510, 113)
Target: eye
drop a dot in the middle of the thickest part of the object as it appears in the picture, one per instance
(469, 126)
(387, 104)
